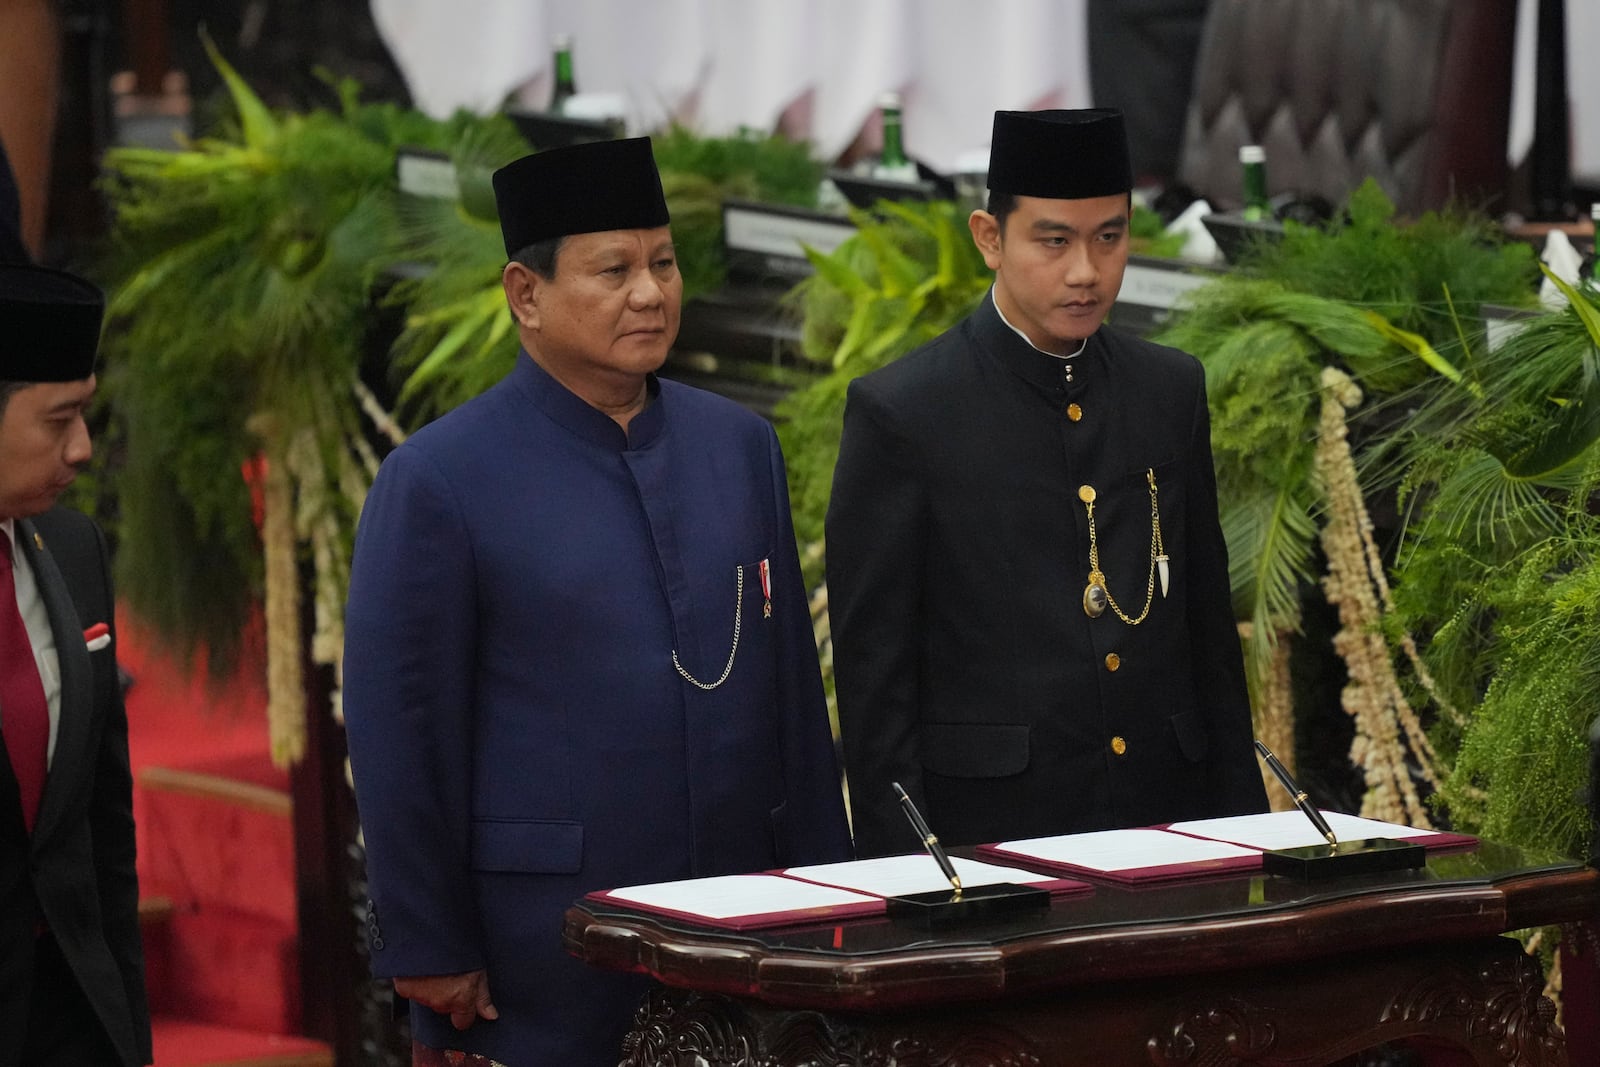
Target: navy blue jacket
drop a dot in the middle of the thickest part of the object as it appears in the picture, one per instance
(523, 576)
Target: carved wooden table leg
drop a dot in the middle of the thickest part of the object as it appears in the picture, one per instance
(1481, 996)
(675, 1028)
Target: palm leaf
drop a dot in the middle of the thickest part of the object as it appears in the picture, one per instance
(260, 129)
(1270, 537)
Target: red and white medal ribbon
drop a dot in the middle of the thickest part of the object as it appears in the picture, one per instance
(766, 590)
(97, 636)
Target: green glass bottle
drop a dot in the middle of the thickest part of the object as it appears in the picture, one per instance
(1594, 244)
(1253, 165)
(565, 86)
(893, 164)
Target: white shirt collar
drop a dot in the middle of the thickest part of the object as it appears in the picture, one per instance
(1070, 355)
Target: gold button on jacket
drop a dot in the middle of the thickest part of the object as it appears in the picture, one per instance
(1113, 661)
(1118, 745)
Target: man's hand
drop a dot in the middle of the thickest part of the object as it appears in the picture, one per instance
(463, 997)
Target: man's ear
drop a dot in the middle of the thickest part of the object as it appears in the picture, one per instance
(522, 285)
(986, 235)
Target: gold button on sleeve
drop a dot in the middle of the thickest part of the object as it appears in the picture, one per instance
(1118, 745)
(1074, 412)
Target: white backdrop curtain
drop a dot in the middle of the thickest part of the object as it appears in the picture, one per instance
(818, 66)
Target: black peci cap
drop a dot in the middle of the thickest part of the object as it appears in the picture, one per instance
(583, 188)
(1060, 155)
(49, 325)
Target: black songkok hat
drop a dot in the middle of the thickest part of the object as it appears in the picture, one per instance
(49, 325)
(584, 188)
(1060, 155)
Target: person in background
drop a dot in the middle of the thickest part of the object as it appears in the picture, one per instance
(1028, 585)
(578, 649)
(11, 249)
(71, 965)
(30, 65)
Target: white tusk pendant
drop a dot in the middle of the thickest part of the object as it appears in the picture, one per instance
(1161, 567)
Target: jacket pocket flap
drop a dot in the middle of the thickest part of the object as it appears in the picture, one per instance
(975, 750)
(1192, 739)
(527, 846)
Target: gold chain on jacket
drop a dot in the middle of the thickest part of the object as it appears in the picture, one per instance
(1097, 595)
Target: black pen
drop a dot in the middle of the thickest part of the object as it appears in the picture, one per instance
(929, 842)
(1299, 794)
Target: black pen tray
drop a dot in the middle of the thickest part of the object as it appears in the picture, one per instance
(946, 907)
(1368, 856)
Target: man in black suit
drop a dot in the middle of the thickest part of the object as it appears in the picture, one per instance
(1028, 585)
(71, 966)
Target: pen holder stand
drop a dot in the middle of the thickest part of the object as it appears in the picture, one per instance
(1316, 862)
(946, 907)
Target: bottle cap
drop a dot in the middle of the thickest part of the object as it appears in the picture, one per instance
(889, 101)
(563, 42)
(1252, 153)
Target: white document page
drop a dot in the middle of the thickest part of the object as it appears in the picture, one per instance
(1291, 829)
(895, 876)
(1124, 850)
(733, 895)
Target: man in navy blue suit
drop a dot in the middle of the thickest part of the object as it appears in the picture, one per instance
(579, 653)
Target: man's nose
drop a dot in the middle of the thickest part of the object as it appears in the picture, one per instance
(80, 449)
(646, 291)
(1081, 269)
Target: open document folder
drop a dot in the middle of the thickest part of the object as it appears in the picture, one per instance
(821, 893)
(1141, 855)
(1202, 848)
(1291, 829)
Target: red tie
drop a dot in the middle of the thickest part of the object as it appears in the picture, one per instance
(24, 713)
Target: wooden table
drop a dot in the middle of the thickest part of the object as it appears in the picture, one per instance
(1238, 970)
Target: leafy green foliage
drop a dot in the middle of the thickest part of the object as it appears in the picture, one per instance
(1521, 770)
(242, 271)
(1402, 270)
(1501, 569)
(908, 274)
(1264, 346)
(1149, 237)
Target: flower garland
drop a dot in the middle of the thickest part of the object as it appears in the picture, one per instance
(310, 499)
(1388, 730)
(286, 723)
(1273, 710)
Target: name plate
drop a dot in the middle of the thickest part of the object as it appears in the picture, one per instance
(424, 173)
(1160, 283)
(1500, 323)
(1152, 288)
(770, 239)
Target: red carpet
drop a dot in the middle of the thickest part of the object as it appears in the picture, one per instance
(216, 864)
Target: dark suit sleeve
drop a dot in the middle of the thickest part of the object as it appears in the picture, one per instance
(111, 825)
(1218, 658)
(410, 640)
(818, 831)
(876, 550)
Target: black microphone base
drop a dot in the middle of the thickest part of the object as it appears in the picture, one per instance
(946, 907)
(1316, 862)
